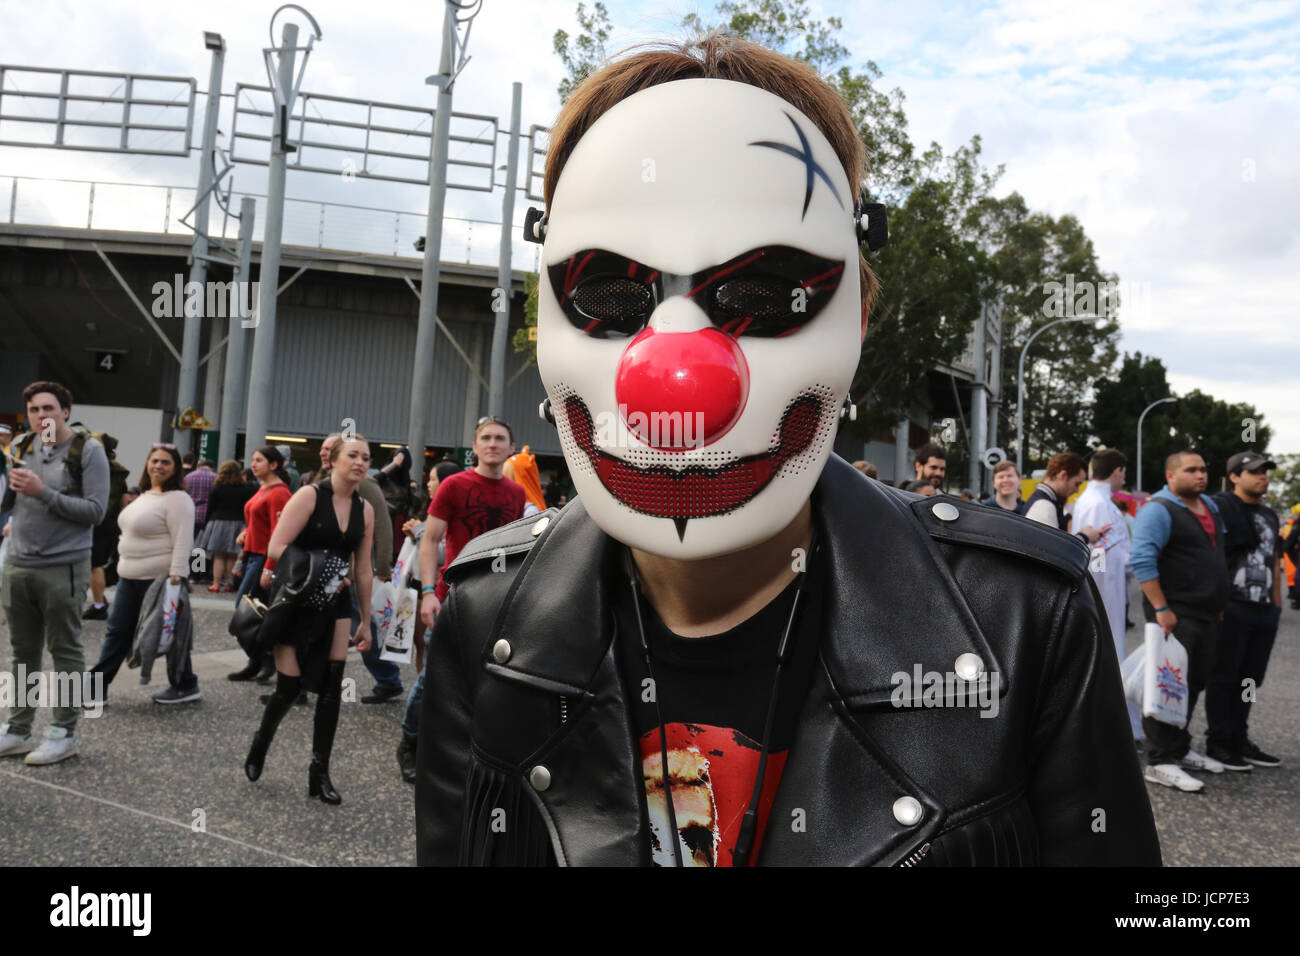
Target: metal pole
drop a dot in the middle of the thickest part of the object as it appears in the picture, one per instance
(501, 325)
(1139, 449)
(259, 376)
(234, 391)
(995, 380)
(187, 387)
(901, 477)
(978, 411)
(426, 329)
(1020, 387)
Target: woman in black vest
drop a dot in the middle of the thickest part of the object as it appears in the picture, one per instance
(311, 653)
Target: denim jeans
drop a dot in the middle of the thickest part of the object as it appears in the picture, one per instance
(411, 719)
(122, 621)
(251, 582)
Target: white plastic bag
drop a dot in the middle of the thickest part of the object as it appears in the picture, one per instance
(171, 598)
(1133, 672)
(399, 640)
(383, 609)
(405, 565)
(1165, 685)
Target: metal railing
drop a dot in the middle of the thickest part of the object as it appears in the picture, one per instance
(149, 207)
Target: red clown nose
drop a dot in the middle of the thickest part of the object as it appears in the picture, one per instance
(677, 381)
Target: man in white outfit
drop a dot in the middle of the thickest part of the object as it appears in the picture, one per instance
(1110, 553)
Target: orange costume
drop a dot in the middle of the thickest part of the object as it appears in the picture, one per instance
(523, 470)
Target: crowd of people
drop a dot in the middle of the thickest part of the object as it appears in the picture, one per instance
(1210, 569)
(188, 522)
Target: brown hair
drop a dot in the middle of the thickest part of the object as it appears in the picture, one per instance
(1003, 465)
(1067, 463)
(175, 481)
(720, 57)
(1106, 462)
(230, 473)
(867, 468)
(337, 448)
(54, 388)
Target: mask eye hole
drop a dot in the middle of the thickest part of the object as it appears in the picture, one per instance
(758, 297)
(617, 305)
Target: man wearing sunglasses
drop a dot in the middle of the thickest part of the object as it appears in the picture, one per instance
(731, 648)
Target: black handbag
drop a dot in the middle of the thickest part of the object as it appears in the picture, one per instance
(309, 578)
(246, 624)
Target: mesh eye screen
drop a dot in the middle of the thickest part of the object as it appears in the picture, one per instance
(770, 291)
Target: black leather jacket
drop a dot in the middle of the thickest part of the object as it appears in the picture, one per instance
(527, 753)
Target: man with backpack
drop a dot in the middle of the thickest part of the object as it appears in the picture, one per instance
(103, 546)
(60, 483)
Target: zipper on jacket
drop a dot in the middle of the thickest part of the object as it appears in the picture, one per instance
(564, 710)
(915, 856)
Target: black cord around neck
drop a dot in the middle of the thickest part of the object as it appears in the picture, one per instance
(749, 822)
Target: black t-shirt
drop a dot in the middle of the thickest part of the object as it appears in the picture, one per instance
(714, 694)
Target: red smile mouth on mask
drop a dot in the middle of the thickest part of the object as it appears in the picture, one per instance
(696, 491)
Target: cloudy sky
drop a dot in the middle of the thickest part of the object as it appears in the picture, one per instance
(1172, 130)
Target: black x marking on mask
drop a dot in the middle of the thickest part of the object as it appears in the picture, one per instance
(811, 166)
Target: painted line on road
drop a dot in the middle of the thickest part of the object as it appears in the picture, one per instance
(154, 816)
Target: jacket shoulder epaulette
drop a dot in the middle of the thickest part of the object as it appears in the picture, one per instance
(955, 521)
(517, 537)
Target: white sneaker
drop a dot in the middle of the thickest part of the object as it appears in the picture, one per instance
(1169, 775)
(57, 745)
(13, 745)
(1201, 762)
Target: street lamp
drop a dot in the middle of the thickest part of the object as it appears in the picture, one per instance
(1160, 401)
(1020, 386)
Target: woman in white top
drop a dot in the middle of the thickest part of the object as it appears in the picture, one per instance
(157, 534)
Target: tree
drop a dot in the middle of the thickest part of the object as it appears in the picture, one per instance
(1215, 428)
(1218, 430)
(588, 51)
(1047, 269)
(1284, 484)
(1120, 399)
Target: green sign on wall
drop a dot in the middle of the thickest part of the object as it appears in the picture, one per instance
(208, 444)
(465, 456)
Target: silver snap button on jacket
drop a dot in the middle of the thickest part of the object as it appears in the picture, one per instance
(539, 777)
(968, 667)
(907, 811)
(501, 651)
(540, 524)
(945, 511)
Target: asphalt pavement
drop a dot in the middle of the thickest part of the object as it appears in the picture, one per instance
(164, 785)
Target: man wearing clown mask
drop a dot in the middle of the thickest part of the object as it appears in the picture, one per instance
(732, 648)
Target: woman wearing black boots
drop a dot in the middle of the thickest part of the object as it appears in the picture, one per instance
(310, 654)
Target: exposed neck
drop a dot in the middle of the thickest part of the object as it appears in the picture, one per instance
(157, 486)
(343, 487)
(1006, 501)
(713, 595)
(1246, 496)
(270, 478)
(490, 471)
(1191, 498)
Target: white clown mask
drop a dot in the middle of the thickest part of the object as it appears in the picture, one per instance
(699, 315)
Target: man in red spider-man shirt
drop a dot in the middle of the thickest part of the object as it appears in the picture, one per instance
(466, 505)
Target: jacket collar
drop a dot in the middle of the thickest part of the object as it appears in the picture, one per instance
(891, 606)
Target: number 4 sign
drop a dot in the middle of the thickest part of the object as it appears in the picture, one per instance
(107, 361)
